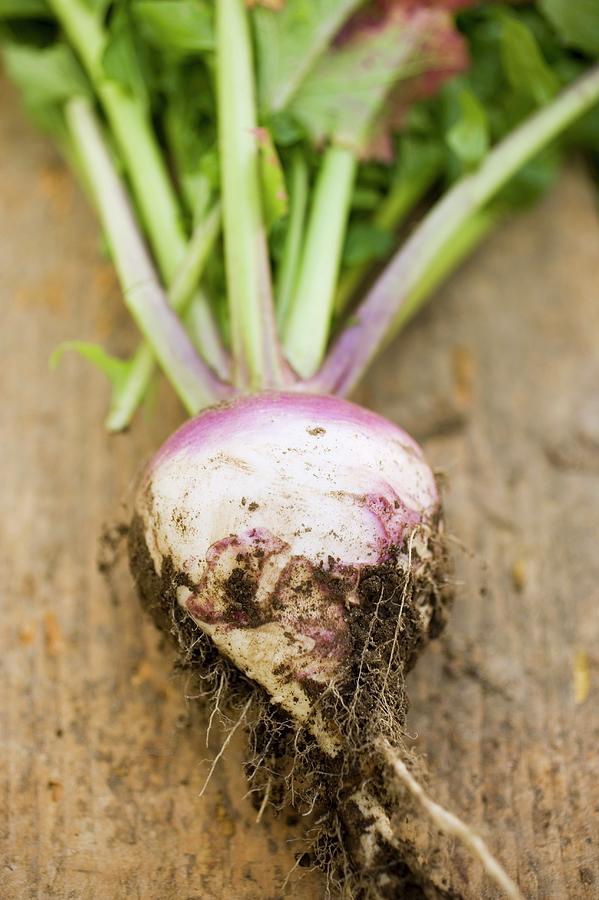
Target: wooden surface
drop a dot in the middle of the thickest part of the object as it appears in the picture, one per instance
(101, 768)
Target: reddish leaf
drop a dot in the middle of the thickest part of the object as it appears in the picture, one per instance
(388, 55)
(430, 26)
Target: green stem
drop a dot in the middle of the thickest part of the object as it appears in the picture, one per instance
(309, 319)
(181, 294)
(376, 316)
(405, 193)
(288, 269)
(128, 396)
(143, 294)
(470, 234)
(253, 329)
(196, 256)
(152, 187)
(199, 323)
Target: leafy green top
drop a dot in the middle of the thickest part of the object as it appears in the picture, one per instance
(417, 91)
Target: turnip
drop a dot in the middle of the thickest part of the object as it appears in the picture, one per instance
(291, 542)
(301, 536)
(287, 527)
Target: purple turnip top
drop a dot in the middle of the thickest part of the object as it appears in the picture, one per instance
(268, 510)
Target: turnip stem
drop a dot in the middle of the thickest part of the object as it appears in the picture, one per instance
(466, 238)
(308, 322)
(376, 316)
(143, 294)
(200, 329)
(405, 193)
(196, 256)
(288, 269)
(154, 192)
(126, 398)
(257, 358)
(461, 244)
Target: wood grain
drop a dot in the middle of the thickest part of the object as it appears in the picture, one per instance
(101, 768)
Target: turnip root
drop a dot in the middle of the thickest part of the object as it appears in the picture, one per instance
(301, 536)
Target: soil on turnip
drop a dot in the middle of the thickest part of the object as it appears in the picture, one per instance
(371, 841)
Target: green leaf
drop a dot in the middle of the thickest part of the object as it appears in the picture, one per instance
(469, 136)
(576, 22)
(23, 9)
(189, 123)
(272, 178)
(45, 76)
(289, 40)
(418, 158)
(365, 243)
(99, 6)
(123, 59)
(185, 26)
(116, 370)
(365, 198)
(354, 92)
(284, 129)
(343, 93)
(523, 63)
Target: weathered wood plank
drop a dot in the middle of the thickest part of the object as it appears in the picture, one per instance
(499, 378)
